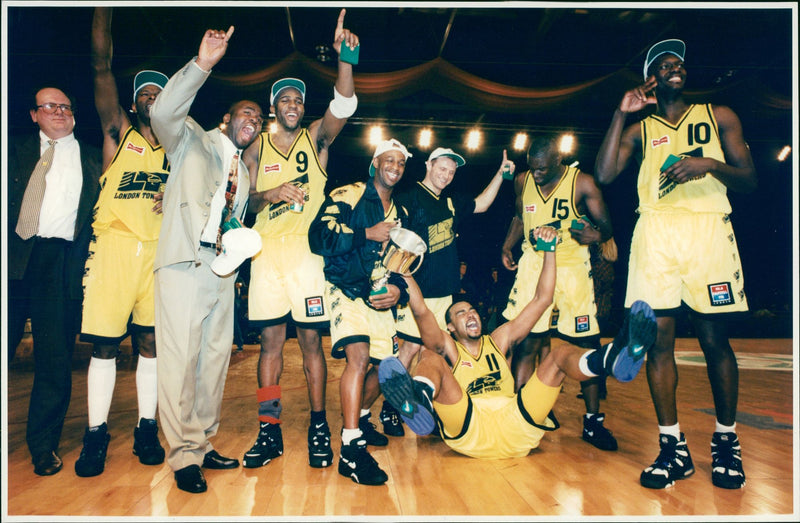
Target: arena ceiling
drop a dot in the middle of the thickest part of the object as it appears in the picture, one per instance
(501, 66)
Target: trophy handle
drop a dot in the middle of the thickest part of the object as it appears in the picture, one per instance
(419, 264)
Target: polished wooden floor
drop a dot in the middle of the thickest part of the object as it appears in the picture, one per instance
(564, 478)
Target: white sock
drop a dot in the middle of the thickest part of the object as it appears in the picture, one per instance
(349, 435)
(147, 387)
(583, 365)
(672, 430)
(726, 428)
(365, 412)
(100, 381)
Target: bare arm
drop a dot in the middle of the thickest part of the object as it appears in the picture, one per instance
(515, 229)
(591, 203)
(489, 193)
(737, 172)
(327, 128)
(512, 332)
(618, 145)
(432, 336)
(113, 119)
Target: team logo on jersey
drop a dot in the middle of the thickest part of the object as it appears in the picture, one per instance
(582, 323)
(274, 168)
(530, 208)
(466, 364)
(720, 294)
(660, 141)
(138, 150)
(314, 306)
(488, 383)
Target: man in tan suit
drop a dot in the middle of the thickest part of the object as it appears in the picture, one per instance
(208, 184)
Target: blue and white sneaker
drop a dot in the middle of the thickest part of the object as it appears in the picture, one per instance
(410, 397)
(625, 356)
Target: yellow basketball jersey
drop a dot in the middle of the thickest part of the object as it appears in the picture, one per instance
(697, 135)
(300, 167)
(487, 375)
(556, 210)
(134, 176)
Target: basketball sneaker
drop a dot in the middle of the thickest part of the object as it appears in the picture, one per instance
(146, 444)
(410, 397)
(597, 434)
(92, 460)
(320, 454)
(625, 356)
(673, 462)
(726, 461)
(370, 433)
(268, 446)
(357, 464)
(392, 424)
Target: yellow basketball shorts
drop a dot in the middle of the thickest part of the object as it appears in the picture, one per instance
(407, 326)
(496, 426)
(118, 283)
(287, 277)
(690, 258)
(573, 298)
(354, 321)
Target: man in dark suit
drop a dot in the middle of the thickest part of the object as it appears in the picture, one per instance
(46, 259)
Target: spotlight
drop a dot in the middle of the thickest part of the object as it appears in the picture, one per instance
(784, 153)
(473, 139)
(375, 135)
(425, 137)
(520, 141)
(567, 143)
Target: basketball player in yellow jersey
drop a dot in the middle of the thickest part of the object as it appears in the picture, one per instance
(118, 281)
(683, 250)
(473, 400)
(287, 188)
(551, 193)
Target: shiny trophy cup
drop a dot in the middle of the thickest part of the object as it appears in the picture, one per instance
(404, 248)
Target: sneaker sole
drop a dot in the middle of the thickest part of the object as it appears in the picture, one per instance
(652, 484)
(398, 389)
(642, 330)
(256, 464)
(346, 471)
(319, 461)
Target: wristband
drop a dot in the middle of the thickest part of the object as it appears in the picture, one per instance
(341, 106)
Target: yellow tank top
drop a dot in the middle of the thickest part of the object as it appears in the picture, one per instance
(300, 167)
(556, 210)
(487, 375)
(134, 176)
(696, 134)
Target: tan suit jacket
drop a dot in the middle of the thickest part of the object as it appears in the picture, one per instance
(196, 163)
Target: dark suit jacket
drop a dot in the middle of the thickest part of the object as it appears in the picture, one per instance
(23, 155)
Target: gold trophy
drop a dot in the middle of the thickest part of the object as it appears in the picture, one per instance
(404, 248)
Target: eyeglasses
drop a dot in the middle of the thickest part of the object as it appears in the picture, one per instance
(50, 108)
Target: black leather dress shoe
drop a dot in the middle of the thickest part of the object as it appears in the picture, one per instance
(213, 460)
(47, 463)
(191, 479)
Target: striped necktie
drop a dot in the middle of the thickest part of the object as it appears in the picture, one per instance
(230, 197)
(28, 222)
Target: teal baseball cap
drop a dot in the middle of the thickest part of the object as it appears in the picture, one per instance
(147, 77)
(672, 46)
(285, 83)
